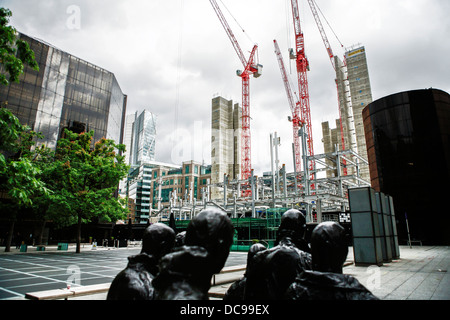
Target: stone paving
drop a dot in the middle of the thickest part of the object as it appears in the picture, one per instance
(421, 273)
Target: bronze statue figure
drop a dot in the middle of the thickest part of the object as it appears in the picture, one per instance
(326, 281)
(135, 281)
(185, 273)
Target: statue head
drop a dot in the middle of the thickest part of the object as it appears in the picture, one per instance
(254, 249)
(158, 240)
(179, 239)
(293, 225)
(329, 247)
(212, 230)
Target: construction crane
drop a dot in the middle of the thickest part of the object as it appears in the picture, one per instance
(250, 68)
(330, 53)
(296, 120)
(302, 68)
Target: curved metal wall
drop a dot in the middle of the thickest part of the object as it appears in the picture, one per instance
(407, 138)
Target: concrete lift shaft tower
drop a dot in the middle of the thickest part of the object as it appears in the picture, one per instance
(312, 5)
(250, 68)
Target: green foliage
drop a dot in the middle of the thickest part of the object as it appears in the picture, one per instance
(23, 181)
(84, 179)
(10, 130)
(19, 174)
(14, 52)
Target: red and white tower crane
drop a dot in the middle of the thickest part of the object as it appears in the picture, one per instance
(250, 68)
(302, 68)
(297, 121)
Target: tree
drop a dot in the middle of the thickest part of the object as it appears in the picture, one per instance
(14, 52)
(85, 180)
(20, 179)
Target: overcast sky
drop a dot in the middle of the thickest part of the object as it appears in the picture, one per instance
(173, 56)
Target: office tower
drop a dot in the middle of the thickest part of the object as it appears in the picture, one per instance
(127, 136)
(140, 141)
(143, 138)
(66, 92)
(226, 130)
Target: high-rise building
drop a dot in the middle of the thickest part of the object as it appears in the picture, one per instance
(140, 141)
(354, 90)
(66, 92)
(127, 135)
(226, 127)
(143, 138)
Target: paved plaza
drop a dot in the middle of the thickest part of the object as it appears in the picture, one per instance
(421, 273)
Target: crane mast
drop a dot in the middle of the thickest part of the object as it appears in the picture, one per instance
(250, 68)
(302, 65)
(297, 122)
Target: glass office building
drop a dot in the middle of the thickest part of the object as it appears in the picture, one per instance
(66, 92)
(143, 138)
(408, 147)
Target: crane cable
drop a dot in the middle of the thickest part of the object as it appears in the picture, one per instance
(328, 23)
(242, 29)
(179, 65)
(288, 29)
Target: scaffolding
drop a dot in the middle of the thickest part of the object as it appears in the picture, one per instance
(256, 218)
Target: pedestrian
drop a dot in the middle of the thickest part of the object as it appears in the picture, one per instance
(18, 239)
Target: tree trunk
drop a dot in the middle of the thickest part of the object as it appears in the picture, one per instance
(41, 234)
(10, 236)
(79, 234)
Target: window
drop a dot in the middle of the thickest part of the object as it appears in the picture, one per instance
(187, 170)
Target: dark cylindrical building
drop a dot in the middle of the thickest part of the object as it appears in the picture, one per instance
(408, 147)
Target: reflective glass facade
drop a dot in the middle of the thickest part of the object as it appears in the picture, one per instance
(143, 140)
(408, 146)
(67, 92)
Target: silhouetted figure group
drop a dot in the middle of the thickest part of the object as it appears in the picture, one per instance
(326, 281)
(180, 267)
(177, 267)
(135, 281)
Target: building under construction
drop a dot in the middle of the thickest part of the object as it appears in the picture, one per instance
(354, 93)
(254, 203)
(257, 217)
